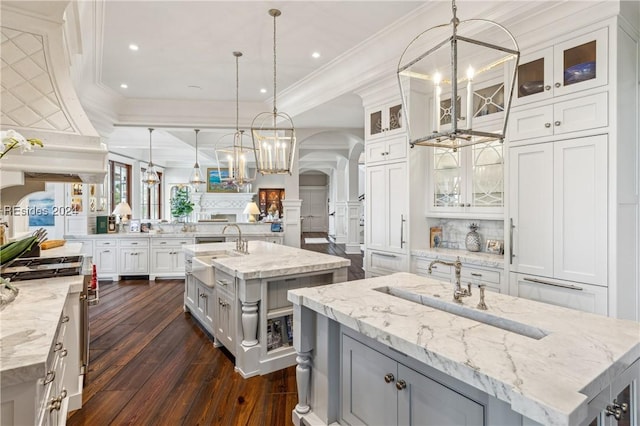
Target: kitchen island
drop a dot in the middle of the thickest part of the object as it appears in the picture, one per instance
(399, 350)
(240, 297)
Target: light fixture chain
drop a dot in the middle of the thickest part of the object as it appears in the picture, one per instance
(197, 130)
(150, 150)
(275, 110)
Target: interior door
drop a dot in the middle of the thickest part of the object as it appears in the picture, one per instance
(314, 209)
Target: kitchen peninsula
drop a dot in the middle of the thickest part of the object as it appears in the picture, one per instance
(239, 295)
(398, 350)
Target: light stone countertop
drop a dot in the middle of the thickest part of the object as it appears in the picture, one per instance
(266, 260)
(28, 326)
(549, 380)
(480, 258)
(118, 235)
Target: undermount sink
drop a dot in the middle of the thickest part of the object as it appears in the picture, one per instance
(466, 312)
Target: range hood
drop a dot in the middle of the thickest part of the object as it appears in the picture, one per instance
(38, 100)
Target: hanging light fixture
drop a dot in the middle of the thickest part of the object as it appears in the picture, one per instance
(235, 151)
(437, 62)
(196, 178)
(273, 134)
(150, 177)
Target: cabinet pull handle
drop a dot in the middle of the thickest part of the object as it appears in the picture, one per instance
(612, 411)
(402, 221)
(57, 347)
(65, 319)
(547, 87)
(106, 251)
(163, 242)
(134, 244)
(385, 254)
(569, 286)
(547, 125)
(388, 378)
(222, 282)
(557, 123)
(63, 353)
(434, 267)
(475, 274)
(557, 84)
(401, 384)
(51, 375)
(511, 255)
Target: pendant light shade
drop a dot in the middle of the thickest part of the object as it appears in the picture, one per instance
(235, 151)
(196, 178)
(150, 177)
(273, 133)
(457, 81)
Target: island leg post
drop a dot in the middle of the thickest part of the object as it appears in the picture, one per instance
(303, 380)
(249, 324)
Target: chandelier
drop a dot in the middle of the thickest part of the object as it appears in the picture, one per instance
(150, 177)
(452, 85)
(235, 153)
(273, 134)
(196, 178)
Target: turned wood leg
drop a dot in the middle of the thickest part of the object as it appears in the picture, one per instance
(249, 324)
(303, 380)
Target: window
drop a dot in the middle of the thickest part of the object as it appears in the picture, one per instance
(119, 183)
(151, 202)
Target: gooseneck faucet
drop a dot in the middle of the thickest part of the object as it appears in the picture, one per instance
(458, 291)
(241, 245)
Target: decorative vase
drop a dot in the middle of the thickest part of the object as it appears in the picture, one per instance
(472, 241)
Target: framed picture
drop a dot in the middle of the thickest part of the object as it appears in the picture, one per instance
(495, 246)
(216, 181)
(134, 225)
(435, 236)
(145, 226)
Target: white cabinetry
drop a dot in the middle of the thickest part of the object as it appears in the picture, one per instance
(384, 120)
(224, 329)
(106, 258)
(558, 209)
(617, 404)
(134, 256)
(491, 278)
(388, 149)
(167, 258)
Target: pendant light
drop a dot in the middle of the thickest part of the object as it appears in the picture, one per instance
(273, 134)
(196, 178)
(474, 53)
(235, 150)
(150, 177)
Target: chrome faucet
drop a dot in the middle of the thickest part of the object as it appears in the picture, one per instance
(458, 291)
(241, 245)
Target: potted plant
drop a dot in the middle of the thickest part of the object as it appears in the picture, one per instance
(181, 206)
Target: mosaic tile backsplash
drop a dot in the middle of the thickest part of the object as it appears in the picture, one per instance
(454, 231)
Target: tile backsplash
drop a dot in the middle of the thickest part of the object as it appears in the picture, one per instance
(454, 231)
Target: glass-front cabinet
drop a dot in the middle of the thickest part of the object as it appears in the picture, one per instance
(469, 180)
(384, 121)
(576, 64)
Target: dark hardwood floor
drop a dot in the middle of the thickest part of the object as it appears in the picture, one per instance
(151, 364)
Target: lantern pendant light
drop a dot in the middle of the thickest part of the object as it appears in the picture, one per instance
(150, 177)
(234, 152)
(273, 134)
(196, 178)
(479, 55)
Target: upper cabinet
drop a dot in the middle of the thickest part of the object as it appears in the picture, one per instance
(568, 67)
(385, 120)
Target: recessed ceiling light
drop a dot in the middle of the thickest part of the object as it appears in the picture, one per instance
(263, 90)
(315, 55)
(133, 47)
(124, 85)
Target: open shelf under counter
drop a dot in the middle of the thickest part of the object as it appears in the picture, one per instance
(280, 312)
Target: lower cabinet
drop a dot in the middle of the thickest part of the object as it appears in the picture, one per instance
(378, 390)
(377, 263)
(167, 258)
(106, 259)
(200, 300)
(225, 314)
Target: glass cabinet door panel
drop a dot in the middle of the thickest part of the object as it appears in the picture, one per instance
(395, 117)
(487, 175)
(446, 110)
(375, 123)
(579, 63)
(447, 177)
(531, 78)
(488, 100)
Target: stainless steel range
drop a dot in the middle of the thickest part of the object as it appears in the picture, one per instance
(34, 268)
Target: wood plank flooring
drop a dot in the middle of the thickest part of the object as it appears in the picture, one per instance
(151, 364)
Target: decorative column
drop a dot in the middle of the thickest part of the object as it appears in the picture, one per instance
(249, 324)
(303, 381)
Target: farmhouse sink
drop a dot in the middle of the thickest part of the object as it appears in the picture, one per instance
(466, 312)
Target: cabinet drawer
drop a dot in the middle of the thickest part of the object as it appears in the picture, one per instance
(134, 243)
(170, 242)
(587, 112)
(440, 272)
(481, 275)
(224, 281)
(387, 261)
(106, 243)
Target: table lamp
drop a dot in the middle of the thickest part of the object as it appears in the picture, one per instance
(251, 209)
(122, 210)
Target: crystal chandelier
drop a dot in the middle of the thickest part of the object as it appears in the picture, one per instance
(273, 134)
(196, 178)
(434, 66)
(150, 177)
(235, 152)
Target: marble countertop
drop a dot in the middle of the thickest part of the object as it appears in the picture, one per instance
(266, 260)
(472, 258)
(68, 249)
(118, 235)
(550, 379)
(28, 326)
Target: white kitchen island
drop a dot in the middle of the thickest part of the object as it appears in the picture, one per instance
(398, 350)
(241, 298)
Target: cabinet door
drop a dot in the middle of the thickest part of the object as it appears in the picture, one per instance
(580, 210)
(190, 291)
(223, 320)
(587, 112)
(486, 186)
(376, 216)
(374, 125)
(162, 260)
(367, 398)
(425, 402)
(134, 261)
(178, 260)
(531, 200)
(530, 123)
(106, 261)
(580, 63)
(396, 189)
(534, 77)
(447, 180)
